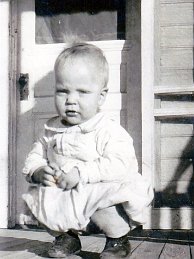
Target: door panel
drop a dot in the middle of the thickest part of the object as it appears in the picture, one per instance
(38, 60)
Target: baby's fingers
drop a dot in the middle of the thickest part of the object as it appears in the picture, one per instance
(49, 170)
(48, 177)
(48, 183)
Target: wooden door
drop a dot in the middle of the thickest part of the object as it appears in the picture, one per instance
(38, 46)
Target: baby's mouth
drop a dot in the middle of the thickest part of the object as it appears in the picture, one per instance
(71, 113)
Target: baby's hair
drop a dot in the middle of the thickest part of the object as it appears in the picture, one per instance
(88, 52)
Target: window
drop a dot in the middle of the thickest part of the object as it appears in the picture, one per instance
(90, 20)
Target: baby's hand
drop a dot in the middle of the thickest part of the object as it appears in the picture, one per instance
(60, 179)
(45, 176)
(69, 180)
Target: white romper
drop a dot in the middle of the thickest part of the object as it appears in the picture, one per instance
(104, 154)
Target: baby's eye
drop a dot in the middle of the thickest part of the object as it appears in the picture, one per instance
(84, 92)
(63, 91)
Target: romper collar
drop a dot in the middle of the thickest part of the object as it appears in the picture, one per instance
(55, 125)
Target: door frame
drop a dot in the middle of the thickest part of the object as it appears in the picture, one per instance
(4, 109)
(8, 39)
(14, 98)
(8, 208)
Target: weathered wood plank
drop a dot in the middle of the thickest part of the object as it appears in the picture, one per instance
(28, 234)
(176, 77)
(176, 128)
(181, 58)
(151, 245)
(177, 246)
(5, 240)
(176, 36)
(176, 13)
(177, 103)
(93, 243)
(145, 244)
(175, 1)
(175, 147)
(176, 169)
(31, 247)
(31, 252)
(13, 242)
(191, 242)
(167, 218)
(173, 90)
(150, 248)
(174, 113)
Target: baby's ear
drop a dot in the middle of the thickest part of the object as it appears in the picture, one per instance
(103, 96)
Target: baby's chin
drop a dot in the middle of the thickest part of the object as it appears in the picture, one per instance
(70, 122)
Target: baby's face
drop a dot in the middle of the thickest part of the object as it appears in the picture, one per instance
(79, 93)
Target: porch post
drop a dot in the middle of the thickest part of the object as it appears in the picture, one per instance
(4, 111)
(147, 53)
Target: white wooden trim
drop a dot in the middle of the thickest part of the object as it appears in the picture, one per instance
(176, 1)
(169, 90)
(147, 48)
(4, 108)
(174, 113)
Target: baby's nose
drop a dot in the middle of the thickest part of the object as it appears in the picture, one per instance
(71, 98)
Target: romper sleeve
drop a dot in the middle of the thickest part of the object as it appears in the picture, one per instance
(36, 158)
(118, 160)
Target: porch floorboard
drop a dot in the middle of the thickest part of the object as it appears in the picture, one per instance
(152, 244)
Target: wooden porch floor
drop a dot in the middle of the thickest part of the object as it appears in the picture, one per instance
(26, 244)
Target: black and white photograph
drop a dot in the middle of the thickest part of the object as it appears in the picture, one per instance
(97, 129)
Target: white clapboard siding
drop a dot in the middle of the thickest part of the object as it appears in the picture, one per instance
(176, 13)
(173, 93)
(174, 77)
(177, 58)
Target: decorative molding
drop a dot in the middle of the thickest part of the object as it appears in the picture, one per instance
(170, 90)
(173, 113)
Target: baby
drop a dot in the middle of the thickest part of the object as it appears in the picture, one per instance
(84, 168)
